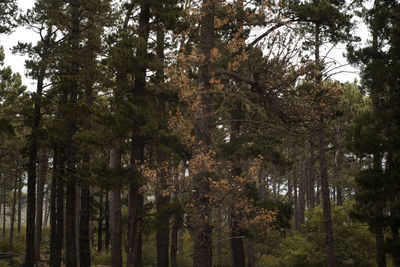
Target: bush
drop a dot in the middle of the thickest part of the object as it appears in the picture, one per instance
(354, 244)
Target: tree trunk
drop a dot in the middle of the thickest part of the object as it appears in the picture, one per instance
(32, 154)
(326, 204)
(77, 223)
(12, 220)
(135, 216)
(4, 205)
(46, 210)
(100, 224)
(201, 219)
(107, 222)
(19, 204)
(70, 249)
(162, 195)
(380, 243)
(238, 258)
(396, 253)
(301, 201)
(60, 210)
(310, 177)
(39, 201)
(53, 208)
(250, 253)
(176, 224)
(115, 215)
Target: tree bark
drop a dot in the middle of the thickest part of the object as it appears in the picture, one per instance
(53, 208)
(100, 224)
(162, 195)
(39, 201)
(4, 205)
(19, 204)
(107, 221)
(12, 219)
(326, 204)
(115, 215)
(135, 216)
(250, 253)
(70, 249)
(201, 219)
(32, 154)
(176, 224)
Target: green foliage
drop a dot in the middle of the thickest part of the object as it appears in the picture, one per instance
(101, 258)
(18, 243)
(8, 16)
(354, 245)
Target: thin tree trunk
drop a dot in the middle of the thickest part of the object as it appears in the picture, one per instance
(107, 222)
(46, 211)
(53, 208)
(174, 239)
(39, 201)
(4, 205)
(302, 194)
(17, 174)
(60, 210)
(136, 201)
(19, 204)
(77, 223)
(326, 204)
(396, 253)
(380, 243)
(115, 215)
(250, 253)
(162, 195)
(100, 224)
(32, 154)
(84, 227)
(201, 219)
(70, 245)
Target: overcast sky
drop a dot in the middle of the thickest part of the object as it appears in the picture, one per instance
(23, 35)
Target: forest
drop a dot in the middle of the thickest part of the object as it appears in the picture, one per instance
(177, 133)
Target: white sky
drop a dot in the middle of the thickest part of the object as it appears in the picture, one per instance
(21, 34)
(24, 35)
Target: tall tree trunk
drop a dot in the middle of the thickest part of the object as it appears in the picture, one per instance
(176, 224)
(70, 249)
(115, 214)
(238, 257)
(326, 204)
(338, 167)
(379, 227)
(84, 222)
(135, 217)
(162, 195)
(396, 253)
(201, 219)
(301, 201)
(60, 209)
(84, 230)
(310, 176)
(380, 244)
(250, 253)
(19, 204)
(107, 222)
(53, 208)
(12, 219)
(100, 224)
(77, 222)
(46, 210)
(4, 205)
(32, 155)
(39, 200)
